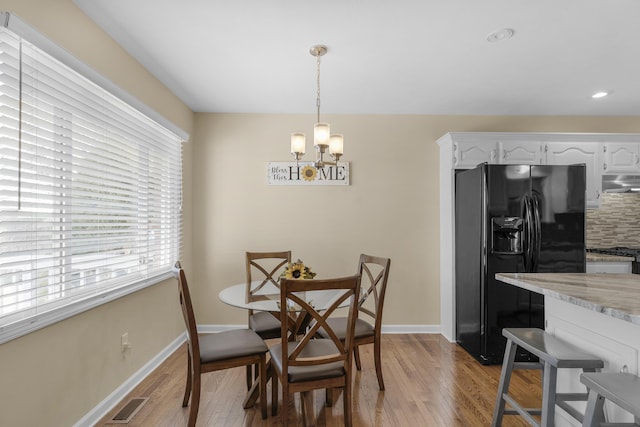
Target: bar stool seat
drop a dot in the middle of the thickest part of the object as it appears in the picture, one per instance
(620, 388)
(553, 353)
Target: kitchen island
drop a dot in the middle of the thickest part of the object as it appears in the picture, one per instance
(597, 312)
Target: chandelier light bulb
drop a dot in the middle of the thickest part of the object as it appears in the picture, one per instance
(336, 144)
(321, 132)
(298, 143)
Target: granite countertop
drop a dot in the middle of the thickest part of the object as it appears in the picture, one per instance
(595, 257)
(616, 295)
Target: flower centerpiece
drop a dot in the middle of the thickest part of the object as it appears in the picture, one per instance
(297, 270)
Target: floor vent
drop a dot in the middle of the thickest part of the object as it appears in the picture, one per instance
(129, 411)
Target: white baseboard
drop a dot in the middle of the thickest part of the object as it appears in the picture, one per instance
(410, 329)
(97, 413)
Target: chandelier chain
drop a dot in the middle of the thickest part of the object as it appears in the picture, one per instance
(318, 84)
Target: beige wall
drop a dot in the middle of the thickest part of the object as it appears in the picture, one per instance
(56, 375)
(390, 209)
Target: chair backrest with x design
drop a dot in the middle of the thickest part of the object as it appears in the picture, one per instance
(291, 292)
(264, 268)
(375, 273)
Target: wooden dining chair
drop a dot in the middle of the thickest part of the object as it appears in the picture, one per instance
(306, 363)
(215, 352)
(263, 268)
(375, 272)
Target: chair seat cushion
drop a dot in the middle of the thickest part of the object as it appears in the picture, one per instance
(339, 326)
(315, 348)
(230, 344)
(265, 324)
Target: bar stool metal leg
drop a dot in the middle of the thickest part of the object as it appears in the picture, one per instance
(594, 415)
(505, 378)
(550, 374)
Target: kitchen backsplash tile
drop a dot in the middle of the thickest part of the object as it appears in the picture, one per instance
(616, 222)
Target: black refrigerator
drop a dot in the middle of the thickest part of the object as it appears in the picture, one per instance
(511, 219)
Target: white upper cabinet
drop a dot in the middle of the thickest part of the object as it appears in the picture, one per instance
(520, 153)
(469, 154)
(620, 158)
(570, 153)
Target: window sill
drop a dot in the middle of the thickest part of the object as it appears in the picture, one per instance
(30, 324)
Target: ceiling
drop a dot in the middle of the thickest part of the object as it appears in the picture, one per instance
(386, 56)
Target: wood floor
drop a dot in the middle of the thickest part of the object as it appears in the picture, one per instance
(429, 382)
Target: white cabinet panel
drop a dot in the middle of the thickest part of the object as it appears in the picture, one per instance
(563, 153)
(620, 158)
(467, 155)
(608, 267)
(520, 153)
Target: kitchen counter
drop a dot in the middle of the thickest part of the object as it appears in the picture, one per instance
(616, 295)
(599, 313)
(595, 257)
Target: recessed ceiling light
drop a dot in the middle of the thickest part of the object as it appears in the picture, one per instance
(500, 35)
(600, 94)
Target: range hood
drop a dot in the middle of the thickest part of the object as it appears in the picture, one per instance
(621, 183)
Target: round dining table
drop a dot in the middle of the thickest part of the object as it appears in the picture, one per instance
(269, 298)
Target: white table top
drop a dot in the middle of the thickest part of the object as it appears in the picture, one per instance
(616, 295)
(236, 296)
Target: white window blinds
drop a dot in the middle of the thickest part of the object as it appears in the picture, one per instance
(90, 191)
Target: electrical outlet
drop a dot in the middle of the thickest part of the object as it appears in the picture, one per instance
(124, 342)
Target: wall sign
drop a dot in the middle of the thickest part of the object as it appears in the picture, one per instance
(287, 173)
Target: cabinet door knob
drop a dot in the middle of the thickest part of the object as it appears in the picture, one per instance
(604, 166)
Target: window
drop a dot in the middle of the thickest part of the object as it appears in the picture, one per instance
(90, 190)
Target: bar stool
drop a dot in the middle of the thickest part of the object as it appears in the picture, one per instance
(620, 388)
(553, 354)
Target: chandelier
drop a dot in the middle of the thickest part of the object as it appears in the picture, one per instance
(322, 138)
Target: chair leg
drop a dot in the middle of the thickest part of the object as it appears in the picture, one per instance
(284, 415)
(505, 378)
(378, 362)
(187, 389)
(274, 392)
(249, 377)
(328, 397)
(356, 356)
(263, 386)
(347, 403)
(195, 400)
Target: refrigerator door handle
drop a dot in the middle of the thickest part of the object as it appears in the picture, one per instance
(528, 234)
(535, 255)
